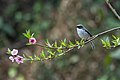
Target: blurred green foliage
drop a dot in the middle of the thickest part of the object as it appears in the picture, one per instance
(17, 17)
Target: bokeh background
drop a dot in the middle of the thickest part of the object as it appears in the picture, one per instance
(55, 20)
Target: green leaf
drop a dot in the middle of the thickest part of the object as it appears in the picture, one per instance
(52, 53)
(60, 54)
(42, 55)
(114, 36)
(59, 50)
(77, 42)
(108, 42)
(50, 56)
(31, 58)
(70, 44)
(79, 47)
(24, 56)
(48, 43)
(27, 34)
(55, 44)
(63, 43)
(8, 51)
(28, 44)
(32, 35)
(82, 42)
(103, 42)
(116, 41)
(64, 40)
(36, 57)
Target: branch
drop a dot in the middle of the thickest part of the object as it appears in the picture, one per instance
(93, 38)
(113, 10)
(86, 42)
(50, 47)
(99, 34)
(104, 32)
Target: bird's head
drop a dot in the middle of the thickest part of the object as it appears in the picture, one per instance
(79, 26)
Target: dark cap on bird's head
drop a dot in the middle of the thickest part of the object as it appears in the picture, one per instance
(79, 26)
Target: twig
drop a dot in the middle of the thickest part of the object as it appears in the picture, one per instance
(50, 47)
(86, 42)
(93, 38)
(113, 10)
(99, 34)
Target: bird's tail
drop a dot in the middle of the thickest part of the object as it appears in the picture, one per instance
(92, 45)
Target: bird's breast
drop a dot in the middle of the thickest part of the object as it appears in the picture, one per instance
(82, 33)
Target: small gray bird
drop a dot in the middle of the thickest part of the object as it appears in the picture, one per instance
(84, 33)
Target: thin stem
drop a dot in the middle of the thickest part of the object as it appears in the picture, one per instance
(46, 46)
(86, 42)
(68, 50)
(93, 38)
(104, 32)
(113, 10)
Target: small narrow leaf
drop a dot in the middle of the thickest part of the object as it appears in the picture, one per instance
(115, 43)
(59, 50)
(64, 40)
(42, 55)
(82, 42)
(25, 35)
(32, 35)
(48, 44)
(55, 44)
(28, 33)
(103, 42)
(77, 42)
(114, 36)
(49, 51)
(60, 54)
(108, 42)
(31, 58)
(36, 57)
(24, 56)
(71, 44)
(28, 44)
(79, 47)
(63, 43)
(8, 51)
(50, 56)
(118, 40)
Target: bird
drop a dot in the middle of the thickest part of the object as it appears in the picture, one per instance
(84, 34)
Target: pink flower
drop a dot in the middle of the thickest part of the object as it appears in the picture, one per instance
(14, 52)
(32, 40)
(19, 59)
(11, 58)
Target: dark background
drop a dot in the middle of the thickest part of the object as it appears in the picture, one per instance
(55, 20)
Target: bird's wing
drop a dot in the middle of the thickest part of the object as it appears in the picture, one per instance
(88, 32)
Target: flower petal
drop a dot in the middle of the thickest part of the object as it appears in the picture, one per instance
(14, 52)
